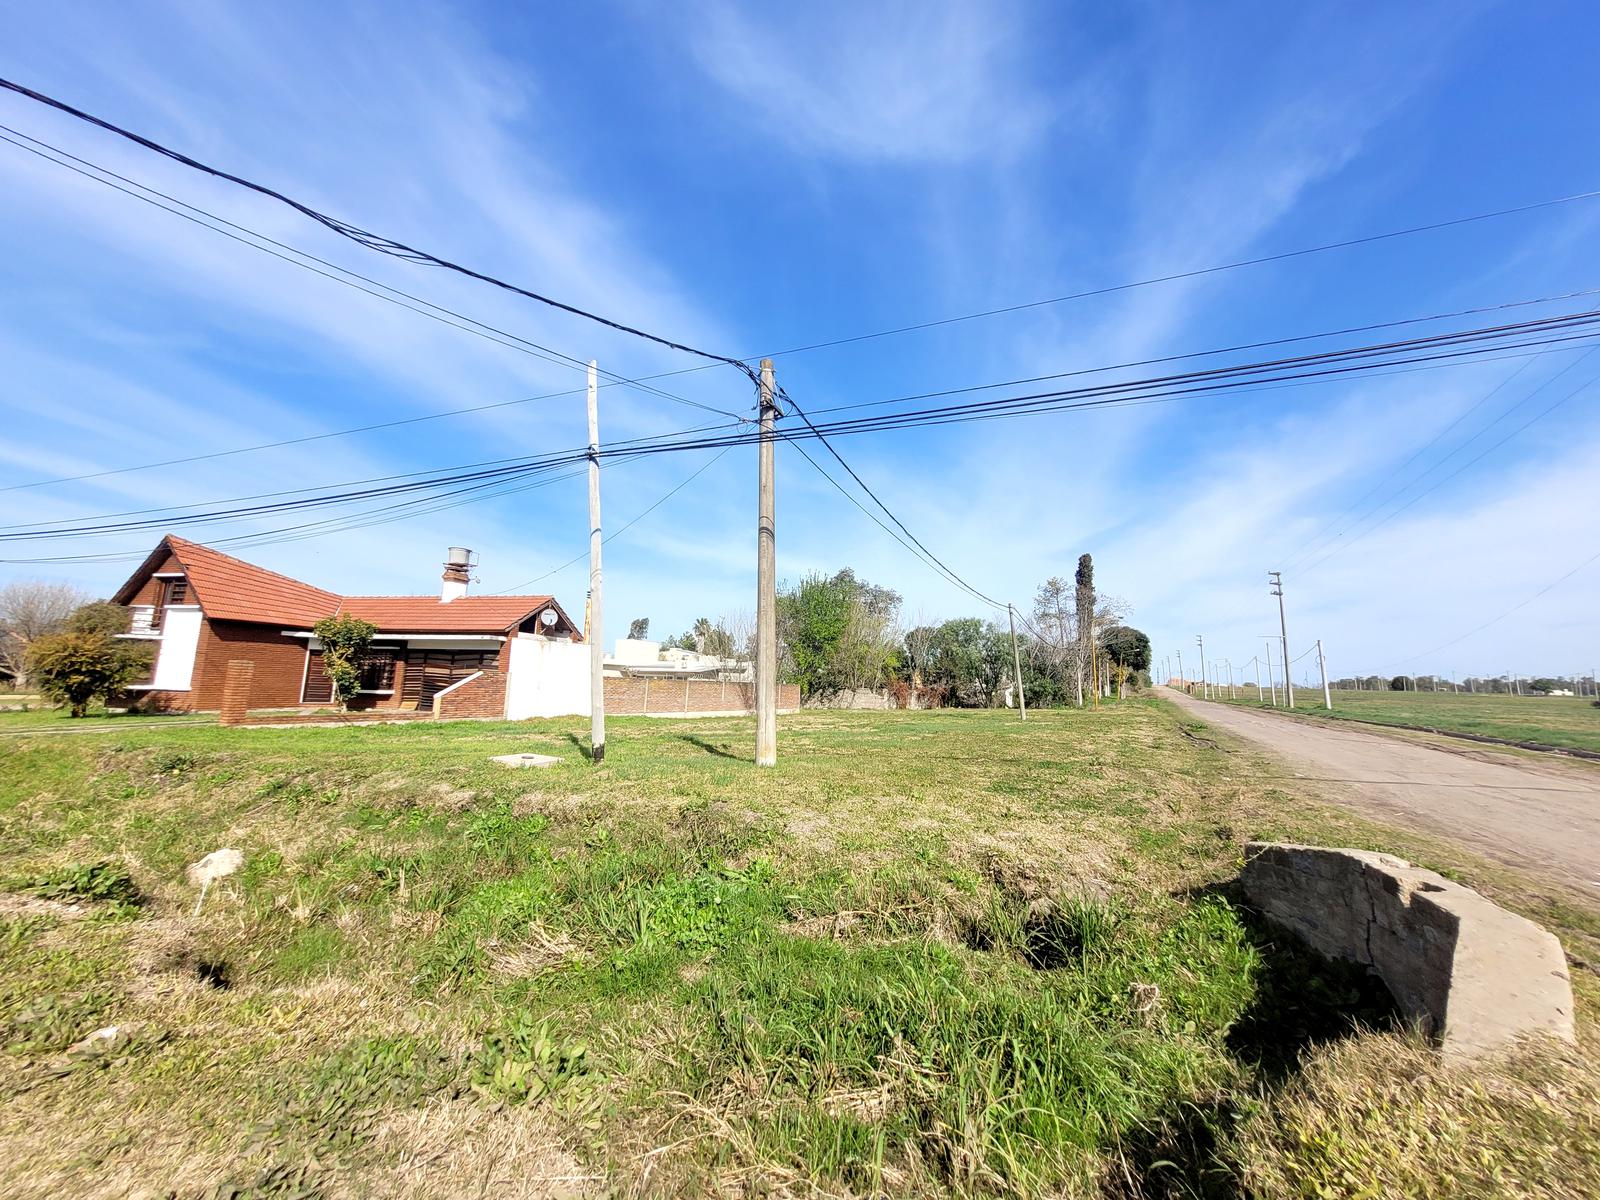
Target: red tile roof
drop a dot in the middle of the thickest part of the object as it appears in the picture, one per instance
(229, 589)
(429, 614)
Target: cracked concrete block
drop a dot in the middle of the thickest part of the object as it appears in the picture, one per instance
(1462, 969)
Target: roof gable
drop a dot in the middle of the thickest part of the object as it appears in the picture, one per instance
(229, 589)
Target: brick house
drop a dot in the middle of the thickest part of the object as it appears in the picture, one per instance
(203, 609)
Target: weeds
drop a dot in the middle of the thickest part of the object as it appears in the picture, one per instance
(99, 883)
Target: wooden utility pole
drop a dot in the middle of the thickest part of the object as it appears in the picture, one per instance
(597, 682)
(767, 585)
(1260, 695)
(1327, 696)
(1205, 691)
(1272, 682)
(1016, 662)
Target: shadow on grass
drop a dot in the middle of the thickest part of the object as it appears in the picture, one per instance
(583, 746)
(1301, 1001)
(709, 748)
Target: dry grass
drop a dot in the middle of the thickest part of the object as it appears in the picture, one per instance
(815, 981)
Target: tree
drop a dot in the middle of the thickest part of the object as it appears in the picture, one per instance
(712, 639)
(29, 610)
(1083, 593)
(1398, 684)
(838, 633)
(99, 616)
(345, 642)
(1127, 648)
(638, 629)
(76, 668)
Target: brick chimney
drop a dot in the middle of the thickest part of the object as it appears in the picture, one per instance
(457, 574)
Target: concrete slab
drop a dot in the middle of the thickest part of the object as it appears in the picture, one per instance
(526, 760)
(1463, 970)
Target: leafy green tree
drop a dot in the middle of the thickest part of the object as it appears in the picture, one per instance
(1128, 647)
(639, 628)
(76, 668)
(345, 642)
(99, 616)
(839, 632)
(1397, 684)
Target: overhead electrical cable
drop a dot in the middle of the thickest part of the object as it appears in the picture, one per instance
(938, 564)
(620, 530)
(1317, 537)
(1533, 420)
(368, 238)
(490, 331)
(335, 272)
(1238, 377)
(1515, 608)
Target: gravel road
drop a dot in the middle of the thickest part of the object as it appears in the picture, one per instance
(1541, 816)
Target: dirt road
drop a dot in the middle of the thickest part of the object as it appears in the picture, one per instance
(1542, 817)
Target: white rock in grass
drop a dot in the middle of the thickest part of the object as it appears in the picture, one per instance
(217, 865)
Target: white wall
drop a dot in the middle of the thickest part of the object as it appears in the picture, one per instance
(637, 652)
(180, 637)
(549, 677)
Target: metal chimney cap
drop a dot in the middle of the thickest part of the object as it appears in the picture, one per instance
(459, 556)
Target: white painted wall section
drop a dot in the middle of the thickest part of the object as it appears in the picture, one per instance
(549, 677)
(180, 638)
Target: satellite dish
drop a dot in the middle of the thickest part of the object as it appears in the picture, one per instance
(548, 618)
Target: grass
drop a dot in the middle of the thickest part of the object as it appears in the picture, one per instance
(930, 954)
(1568, 722)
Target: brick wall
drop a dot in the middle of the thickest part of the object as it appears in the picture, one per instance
(279, 667)
(481, 696)
(280, 664)
(236, 688)
(635, 696)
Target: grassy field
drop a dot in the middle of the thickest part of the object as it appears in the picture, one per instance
(1565, 721)
(930, 954)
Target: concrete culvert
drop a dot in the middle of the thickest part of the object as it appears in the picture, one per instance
(1463, 970)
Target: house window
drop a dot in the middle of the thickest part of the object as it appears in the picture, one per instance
(377, 675)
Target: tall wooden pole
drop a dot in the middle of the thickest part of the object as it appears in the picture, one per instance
(1016, 661)
(597, 683)
(1327, 696)
(767, 585)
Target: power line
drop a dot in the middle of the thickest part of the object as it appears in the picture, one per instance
(1247, 376)
(472, 325)
(619, 531)
(1193, 274)
(1539, 416)
(1365, 496)
(862, 484)
(365, 237)
(1549, 587)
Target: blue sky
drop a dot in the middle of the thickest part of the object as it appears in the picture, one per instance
(750, 180)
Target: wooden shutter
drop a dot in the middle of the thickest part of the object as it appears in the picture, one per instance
(319, 688)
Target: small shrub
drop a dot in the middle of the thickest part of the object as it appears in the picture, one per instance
(102, 882)
(523, 1064)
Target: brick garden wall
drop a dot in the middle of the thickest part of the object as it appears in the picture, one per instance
(483, 696)
(637, 696)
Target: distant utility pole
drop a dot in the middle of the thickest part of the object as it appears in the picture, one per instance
(1271, 681)
(597, 681)
(1228, 662)
(1283, 626)
(1260, 696)
(1327, 696)
(1016, 661)
(1182, 682)
(1205, 693)
(767, 584)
